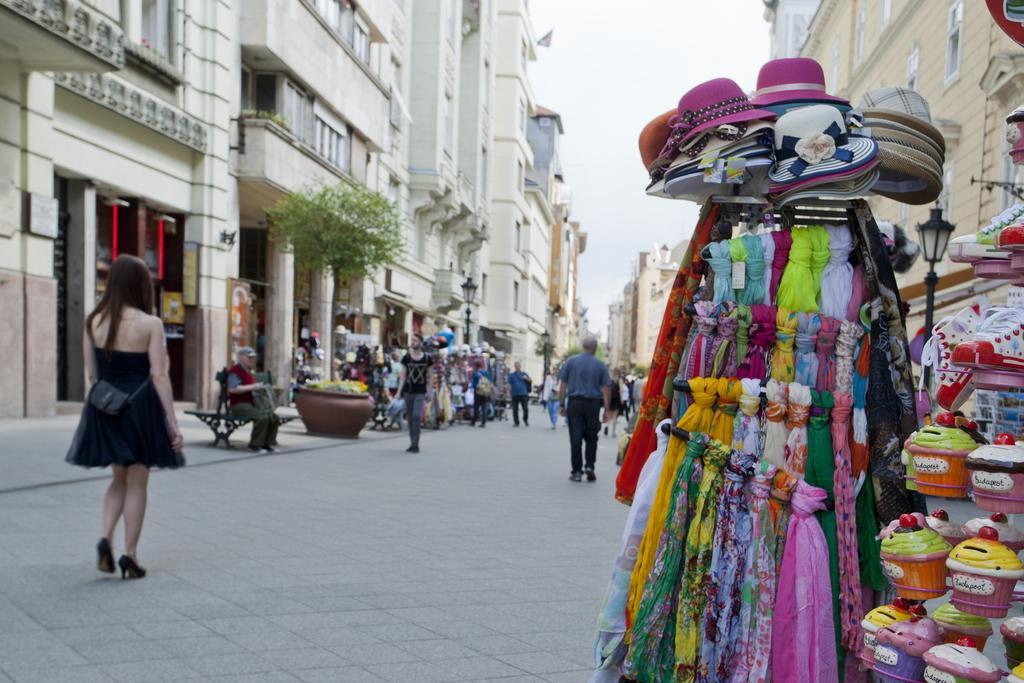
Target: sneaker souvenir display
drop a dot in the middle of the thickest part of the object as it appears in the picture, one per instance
(984, 243)
(996, 344)
(877, 619)
(983, 572)
(1012, 631)
(938, 453)
(997, 477)
(914, 560)
(955, 624)
(954, 385)
(961, 662)
(899, 655)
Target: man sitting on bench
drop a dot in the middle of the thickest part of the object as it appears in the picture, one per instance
(249, 398)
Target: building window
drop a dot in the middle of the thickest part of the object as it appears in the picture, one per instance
(834, 67)
(449, 127)
(1009, 177)
(954, 30)
(483, 173)
(394, 191)
(515, 296)
(483, 288)
(517, 237)
(886, 12)
(156, 26)
(452, 21)
(333, 145)
(246, 89)
(297, 110)
(945, 200)
(858, 37)
(361, 42)
(523, 55)
(522, 116)
(520, 178)
(913, 62)
(485, 98)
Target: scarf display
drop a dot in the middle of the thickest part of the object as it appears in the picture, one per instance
(754, 257)
(746, 436)
(837, 280)
(820, 257)
(825, 350)
(776, 433)
(699, 349)
(803, 635)
(760, 338)
(798, 413)
(783, 361)
(743, 319)
(720, 261)
(798, 288)
(805, 347)
(723, 358)
(768, 255)
(729, 391)
(845, 496)
(780, 259)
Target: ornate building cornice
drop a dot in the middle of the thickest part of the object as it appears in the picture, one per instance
(76, 23)
(136, 104)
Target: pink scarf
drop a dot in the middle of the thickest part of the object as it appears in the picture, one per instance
(760, 338)
(780, 259)
(803, 635)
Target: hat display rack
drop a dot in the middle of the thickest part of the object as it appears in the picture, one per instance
(773, 511)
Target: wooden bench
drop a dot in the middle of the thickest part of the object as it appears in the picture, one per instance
(221, 422)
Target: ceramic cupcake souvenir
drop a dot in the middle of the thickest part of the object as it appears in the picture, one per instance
(914, 559)
(951, 532)
(983, 572)
(955, 624)
(938, 452)
(959, 663)
(997, 476)
(876, 620)
(1009, 535)
(1012, 631)
(1017, 675)
(901, 647)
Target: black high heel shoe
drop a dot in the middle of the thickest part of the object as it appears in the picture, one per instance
(104, 557)
(130, 569)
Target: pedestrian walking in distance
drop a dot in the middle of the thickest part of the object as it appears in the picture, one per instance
(249, 398)
(483, 392)
(586, 382)
(519, 388)
(128, 420)
(549, 394)
(612, 413)
(413, 385)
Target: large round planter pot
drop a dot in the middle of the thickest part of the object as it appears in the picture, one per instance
(332, 413)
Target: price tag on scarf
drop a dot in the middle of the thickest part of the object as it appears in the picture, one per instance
(735, 170)
(708, 161)
(716, 173)
(739, 274)
(769, 220)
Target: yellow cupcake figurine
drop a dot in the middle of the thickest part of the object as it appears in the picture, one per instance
(984, 572)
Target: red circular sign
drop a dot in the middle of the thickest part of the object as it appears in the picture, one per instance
(1009, 14)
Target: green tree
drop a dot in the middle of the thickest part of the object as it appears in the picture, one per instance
(346, 230)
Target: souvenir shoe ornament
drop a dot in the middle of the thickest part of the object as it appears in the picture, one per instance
(899, 655)
(914, 560)
(983, 244)
(1009, 535)
(877, 619)
(951, 532)
(955, 384)
(955, 624)
(938, 453)
(983, 573)
(1012, 631)
(959, 663)
(997, 478)
(998, 343)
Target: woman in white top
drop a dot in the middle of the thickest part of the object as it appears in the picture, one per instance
(549, 394)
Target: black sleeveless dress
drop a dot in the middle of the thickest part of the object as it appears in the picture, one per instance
(137, 435)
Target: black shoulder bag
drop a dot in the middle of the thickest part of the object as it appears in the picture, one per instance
(108, 399)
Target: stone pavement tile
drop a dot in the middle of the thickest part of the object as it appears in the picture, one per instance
(557, 640)
(72, 674)
(349, 674)
(136, 650)
(512, 625)
(204, 645)
(447, 670)
(451, 599)
(567, 677)
(393, 600)
(223, 665)
(374, 653)
(391, 633)
(95, 635)
(218, 609)
(334, 603)
(460, 629)
(429, 650)
(424, 615)
(584, 656)
(260, 641)
(305, 658)
(51, 656)
(68, 618)
(133, 615)
(276, 606)
(334, 638)
(263, 677)
(317, 620)
(497, 645)
(171, 629)
(153, 670)
(540, 662)
(248, 624)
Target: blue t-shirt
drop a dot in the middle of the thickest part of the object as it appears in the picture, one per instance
(477, 374)
(584, 376)
(517, 384)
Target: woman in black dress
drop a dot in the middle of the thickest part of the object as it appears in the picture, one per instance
(123, 344)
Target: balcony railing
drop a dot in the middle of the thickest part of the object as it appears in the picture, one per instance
(95, 42)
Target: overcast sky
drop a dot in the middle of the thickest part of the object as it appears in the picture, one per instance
(611, 68)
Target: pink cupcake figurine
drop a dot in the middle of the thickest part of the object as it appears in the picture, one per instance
(901, 647)
(959, 663)
(877, 619)
(1012, 631)
(939, 522)
(1009, 535)
(997, 475)
(983, 572)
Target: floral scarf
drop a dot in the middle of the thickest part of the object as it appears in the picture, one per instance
(807, 328)
(776, 433)
(797, 416)
(783, 363)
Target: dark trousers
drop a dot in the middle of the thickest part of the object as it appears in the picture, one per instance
(584, 416)
(480, 406)
(523, 401)
(264, 424)
(414, 413)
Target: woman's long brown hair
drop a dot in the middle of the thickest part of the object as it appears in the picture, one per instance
(128, 285)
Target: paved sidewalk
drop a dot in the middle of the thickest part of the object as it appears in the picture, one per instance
(474, 560)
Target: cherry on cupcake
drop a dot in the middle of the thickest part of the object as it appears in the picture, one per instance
(941, 514)
(988, 533)
(967, 641)
(998, 518)
(902, 604)
(1005, 439)
(946, 420)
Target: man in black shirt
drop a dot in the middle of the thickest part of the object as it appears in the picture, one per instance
(413, 385)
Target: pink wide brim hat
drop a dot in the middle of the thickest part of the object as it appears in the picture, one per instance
(717, 102)
(790, 79)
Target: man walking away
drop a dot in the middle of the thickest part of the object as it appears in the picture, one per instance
(585, 379)
(550, 396)
(519, 385)
(483, 392)
(249, 398)
(413, 385)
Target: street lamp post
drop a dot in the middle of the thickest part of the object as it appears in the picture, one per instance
(546, 337)
(934, 235)
(468, 294)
